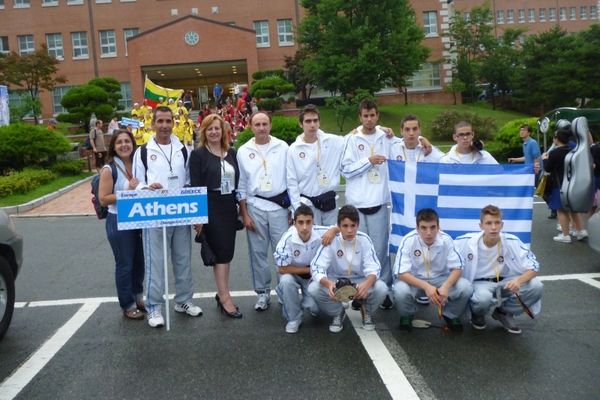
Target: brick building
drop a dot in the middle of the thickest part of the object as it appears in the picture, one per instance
(195, 44)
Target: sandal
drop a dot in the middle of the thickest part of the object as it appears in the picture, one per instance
(133, 313)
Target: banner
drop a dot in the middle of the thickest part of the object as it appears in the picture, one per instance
(130, 121)
(137, 209)
(458, 192)
(4, 110)
(153, 93)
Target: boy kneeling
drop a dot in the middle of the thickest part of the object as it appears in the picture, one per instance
(427, 261)
(351, 256)
(503, 272)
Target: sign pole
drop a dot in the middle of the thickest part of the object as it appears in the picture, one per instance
(165, 251)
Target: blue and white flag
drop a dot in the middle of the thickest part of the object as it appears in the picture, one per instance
(458, 192)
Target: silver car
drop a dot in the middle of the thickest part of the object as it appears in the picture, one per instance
(11, 258)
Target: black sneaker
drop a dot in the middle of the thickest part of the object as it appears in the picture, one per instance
(478, 321)
(454, 324)
(406, 323)
(506, 320)
(387, 304)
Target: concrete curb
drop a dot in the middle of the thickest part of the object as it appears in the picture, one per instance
(44, 199)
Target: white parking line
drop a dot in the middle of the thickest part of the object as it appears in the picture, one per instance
(13, 385)
(392, 376)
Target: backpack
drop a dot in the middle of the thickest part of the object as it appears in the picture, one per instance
(144, 157)
(101, 211)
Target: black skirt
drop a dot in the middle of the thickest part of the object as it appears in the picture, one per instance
(221, 228)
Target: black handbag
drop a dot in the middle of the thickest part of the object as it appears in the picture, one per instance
(208, 256)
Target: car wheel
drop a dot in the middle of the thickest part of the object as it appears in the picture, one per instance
(7, 296)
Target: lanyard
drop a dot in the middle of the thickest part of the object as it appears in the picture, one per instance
(165, 154)
(426, 258)
(264, 160)
(318, 153)
(406, 158)
(221, 158)
(349, 269)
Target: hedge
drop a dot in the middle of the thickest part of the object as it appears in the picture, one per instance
(442, 127)
(507, 142)
(24, 181)
(284, 128)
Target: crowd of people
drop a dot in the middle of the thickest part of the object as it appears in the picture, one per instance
(327, 258)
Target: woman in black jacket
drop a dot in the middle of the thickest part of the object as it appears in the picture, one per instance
(214, 165)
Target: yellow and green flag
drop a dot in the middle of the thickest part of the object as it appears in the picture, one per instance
(153, 93)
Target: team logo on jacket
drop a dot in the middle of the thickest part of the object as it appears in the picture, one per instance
(500, 259)
(470, 256)
(153, 157)
(296, 253)
(252, 155)
(340, 253)
(398, 158)
(417, 253)
(361, 147)
(302, 155)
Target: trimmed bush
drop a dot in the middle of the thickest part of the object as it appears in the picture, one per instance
(507, 142)
(284, 128)
(24, 181)
(442, 127)
(270, 104)
(24, 145)
(67, 167)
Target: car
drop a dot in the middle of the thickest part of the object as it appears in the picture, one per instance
(11, 259)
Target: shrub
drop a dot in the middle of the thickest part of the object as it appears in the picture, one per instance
(507, 142)
(270, 104)
(67, 167)
(29, 145)
(284, 128)
(24, 181)
(442, 127)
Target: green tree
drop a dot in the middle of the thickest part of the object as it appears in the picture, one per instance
(298, 75)
(33, 72)
(353, 45)
(99, 96)
(267, 90)
(454, 87)
(587, 53)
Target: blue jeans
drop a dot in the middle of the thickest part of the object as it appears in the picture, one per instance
(129, 261)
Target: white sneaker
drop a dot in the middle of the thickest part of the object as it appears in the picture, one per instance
(189, 308)
(292, 326)
(337, 324)
(262, 302)
(558, 227)
(582, 234)
(155, 319)
(368, 323)
(562, 238)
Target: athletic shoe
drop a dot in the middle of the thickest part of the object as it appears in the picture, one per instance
(367, 320)
(506, 320)
(155, 319)
(454, 324)
(262, 302)
(552, 215)
(562, 238)
(582, 234)
(189, 308)
(356, 304)
(558, 227)
(423, 300)
(406, 323)
(337, 323)
(292, 326)
(388, 303)
(478, 321)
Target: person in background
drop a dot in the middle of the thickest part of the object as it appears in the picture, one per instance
(126, 245)
(98, 145)
(531, 151)
(113, 126)
(466, 150)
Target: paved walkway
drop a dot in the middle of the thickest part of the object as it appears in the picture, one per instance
(74, 202)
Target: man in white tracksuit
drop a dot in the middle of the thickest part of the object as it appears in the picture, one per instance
(313, 168)
(465, 150)
(264, 200)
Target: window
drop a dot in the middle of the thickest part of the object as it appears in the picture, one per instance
(262, 33)
(1, 4)
(500, 17)
(125, 99)
(552, 14)
(428, 77)
(80, 45)
(108, 44)
(542, 15)
(57, 95)
(49, 3)
(26, 45)
(174, 12)
(573, 13)
(531, 12)
(430, 23)
(194, 10)
(17, 98)
(74, 2)
(22, 3)
(593, 12)
(467, 16)
(510, 16)
(563, 13)
(129, 33)
(284, 32)
(54, 42)
(4, 45)
(583, 12)
(214, 9)
(522, 16)
(103, 1)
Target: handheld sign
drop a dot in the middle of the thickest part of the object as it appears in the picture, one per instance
(137, 209)
(130, 121)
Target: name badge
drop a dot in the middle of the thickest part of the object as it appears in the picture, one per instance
(172, 182)
(374, 176)
(322, 178)
(226, 184)
(266, 183)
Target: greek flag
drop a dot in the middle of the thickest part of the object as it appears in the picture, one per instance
(458, 192)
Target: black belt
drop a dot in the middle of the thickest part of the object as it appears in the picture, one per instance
(496, 280)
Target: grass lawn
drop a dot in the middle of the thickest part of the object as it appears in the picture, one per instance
(391, 115)
(40, 191)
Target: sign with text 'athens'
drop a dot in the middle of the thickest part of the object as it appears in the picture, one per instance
(157, 208)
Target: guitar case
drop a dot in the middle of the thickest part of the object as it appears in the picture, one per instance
(577, 190)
